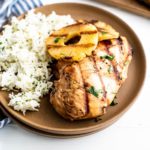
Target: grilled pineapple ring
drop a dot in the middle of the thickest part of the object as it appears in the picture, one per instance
(73, 42)
(105, 31)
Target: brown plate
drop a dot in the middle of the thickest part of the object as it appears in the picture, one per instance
(47, 120)
(33, 130)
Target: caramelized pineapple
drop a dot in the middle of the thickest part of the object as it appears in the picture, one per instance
(105, 31)
(73, 42)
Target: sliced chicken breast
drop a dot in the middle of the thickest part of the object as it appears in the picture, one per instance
(84, 89)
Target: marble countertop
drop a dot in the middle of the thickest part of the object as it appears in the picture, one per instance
(132, 131)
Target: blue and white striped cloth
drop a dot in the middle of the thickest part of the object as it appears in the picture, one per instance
(9, 8)
(4, 122)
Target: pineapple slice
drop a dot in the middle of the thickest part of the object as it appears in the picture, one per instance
(105, 31)
(73, 42)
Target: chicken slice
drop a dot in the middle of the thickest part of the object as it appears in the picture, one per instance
(106, 69)
(69, 98)
(91, 78)
(121, 50)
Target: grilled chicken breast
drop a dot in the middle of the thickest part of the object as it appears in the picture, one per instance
(85, 88)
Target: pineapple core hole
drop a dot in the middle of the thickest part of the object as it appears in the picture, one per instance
(73, 40)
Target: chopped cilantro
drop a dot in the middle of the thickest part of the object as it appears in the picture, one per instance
(0, 43)
(93, 91)
(57, 40)
(103, 33)
(113, 103)
(127, 62)
(63, 54)
(109, 57)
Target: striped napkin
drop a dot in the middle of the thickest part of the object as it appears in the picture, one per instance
(9, 8)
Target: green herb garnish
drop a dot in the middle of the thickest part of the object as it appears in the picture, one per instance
(63, 54)
(1, 43)
(109, 57)
(113, 103)
(103, 33)
(93, 91)
(127, 62)
(57, 40)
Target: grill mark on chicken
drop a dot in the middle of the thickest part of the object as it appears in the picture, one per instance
(66, 89)
(83, 87)
(122, 43)
(101, 80)
(116, 72)
(122, 46)
(98, 72)
(102, 64)
(86, 96)
(92, 80)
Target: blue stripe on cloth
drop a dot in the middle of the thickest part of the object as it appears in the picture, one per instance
(33, 4)
(9, 8)
(21, 6)
(27, 4)
(40, 3)
(4, 122)
(15, 10)
(19, 9)
(16, 7)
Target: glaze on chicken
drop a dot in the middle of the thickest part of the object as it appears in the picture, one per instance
(84, 89)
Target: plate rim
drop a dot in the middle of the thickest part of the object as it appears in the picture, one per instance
(120, 112)
(39, 132)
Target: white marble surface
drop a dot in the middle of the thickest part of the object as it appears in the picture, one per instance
(132, 131)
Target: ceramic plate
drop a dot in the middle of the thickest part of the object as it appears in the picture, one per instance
(33, 130)
(46, 119)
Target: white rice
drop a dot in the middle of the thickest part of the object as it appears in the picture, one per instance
(23, 59)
